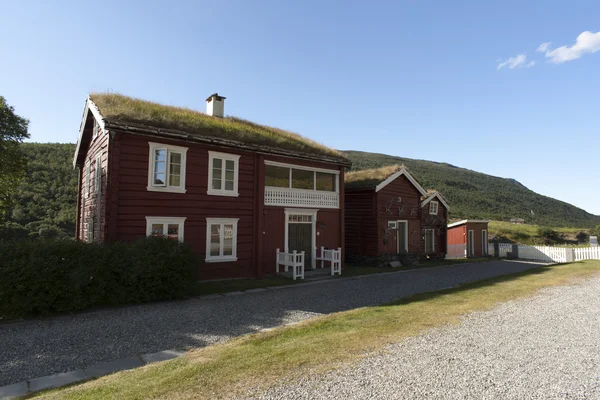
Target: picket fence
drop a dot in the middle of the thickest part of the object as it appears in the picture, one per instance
(549, 253)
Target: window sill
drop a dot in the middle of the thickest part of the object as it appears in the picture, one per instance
(222, 193)
(220, 259)
(165, 189)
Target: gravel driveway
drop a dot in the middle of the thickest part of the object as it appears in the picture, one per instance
(40, 347)
(545, 347)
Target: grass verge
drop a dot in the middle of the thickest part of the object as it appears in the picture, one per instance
(258, 360)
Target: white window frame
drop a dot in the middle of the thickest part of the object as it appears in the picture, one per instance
(236, 165)
(484, 242)
(405, 222)
(314, 170)
(95, 129)
(86, 180)
(432, 241)
(432, 208)
(98, 176)
(221, 221)
(165, 221)
(166, 187)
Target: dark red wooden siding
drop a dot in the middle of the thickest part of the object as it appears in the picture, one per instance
(438, 223)
(360, 223)
(388, 209)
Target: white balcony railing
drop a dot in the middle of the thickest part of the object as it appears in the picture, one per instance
(285, 197)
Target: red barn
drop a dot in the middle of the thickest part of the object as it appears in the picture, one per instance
(235, 191)
(384, 215)
(468, 238)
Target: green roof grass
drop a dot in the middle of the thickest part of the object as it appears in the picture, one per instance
(119, 108)
(369, 178)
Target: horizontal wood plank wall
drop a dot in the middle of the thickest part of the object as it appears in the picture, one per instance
(93, 206)
(410, 202)
(360, 223)
(477, 228)
(439, 227)
(457, 240)
(136, 202)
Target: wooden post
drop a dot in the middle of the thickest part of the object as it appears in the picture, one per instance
(322, 257)
(277, 261)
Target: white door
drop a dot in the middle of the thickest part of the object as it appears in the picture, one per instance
(484, 242)
(402, 236)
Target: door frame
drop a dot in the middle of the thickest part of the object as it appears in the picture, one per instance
(470, 238)
(302, 211)
(405, 236)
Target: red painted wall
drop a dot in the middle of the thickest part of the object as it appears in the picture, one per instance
(457, 237)
(260, 229)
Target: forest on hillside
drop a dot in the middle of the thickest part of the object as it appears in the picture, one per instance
(45, 203)
(472, 194)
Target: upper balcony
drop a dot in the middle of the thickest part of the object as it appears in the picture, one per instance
(289, 185)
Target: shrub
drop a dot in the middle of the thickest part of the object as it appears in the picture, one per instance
(39, 277)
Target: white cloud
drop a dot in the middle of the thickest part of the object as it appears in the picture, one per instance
(587, 42)
(544, 47)
(520, 61)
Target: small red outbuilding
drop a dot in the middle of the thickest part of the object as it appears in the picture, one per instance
(468, 238)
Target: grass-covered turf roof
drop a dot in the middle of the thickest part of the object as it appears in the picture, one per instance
(369, 178)
(117, 108)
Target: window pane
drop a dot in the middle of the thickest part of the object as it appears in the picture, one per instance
(229, 185)
(174, 180)
(227, 240)
(302, 179)
(157, 230)
(277, 176)
(229, 165)
(326, 181)
(173, 231)
(229, 175)
(217, 173)
(175, 158)
(160, 166)
(215, 240)
(216, 184)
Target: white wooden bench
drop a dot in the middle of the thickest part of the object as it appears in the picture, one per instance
(294, 260)
(334, 257)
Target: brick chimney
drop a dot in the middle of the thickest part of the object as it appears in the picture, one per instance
(215, 105)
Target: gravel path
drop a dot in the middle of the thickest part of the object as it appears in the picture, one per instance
(41, 347)
(545, 347)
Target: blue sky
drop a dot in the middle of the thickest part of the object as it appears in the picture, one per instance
(459, 82)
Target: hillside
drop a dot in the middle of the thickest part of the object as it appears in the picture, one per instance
(472, 194)
(46, 200)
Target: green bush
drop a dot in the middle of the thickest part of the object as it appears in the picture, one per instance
(39, 277)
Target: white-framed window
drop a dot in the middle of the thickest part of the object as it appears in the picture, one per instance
(95, 129)
(221, 239)
(433, 207)
(86, 179)
(171, 227)
(166, 168)
(98, 173)
(392, 225)
(223, 173)
(429, 241)
(298, 177)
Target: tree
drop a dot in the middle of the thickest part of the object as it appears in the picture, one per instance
(13, 130)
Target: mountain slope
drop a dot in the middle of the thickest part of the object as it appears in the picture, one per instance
(472, 194)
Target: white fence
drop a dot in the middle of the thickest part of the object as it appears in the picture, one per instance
(550, 253)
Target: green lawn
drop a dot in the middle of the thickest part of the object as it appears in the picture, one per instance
(531, 234)
(253, 362)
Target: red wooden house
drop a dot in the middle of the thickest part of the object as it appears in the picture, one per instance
(235, 191)
(468, 238)
(434, 218)
(384, 215)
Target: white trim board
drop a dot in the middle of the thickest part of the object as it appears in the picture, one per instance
(433, 196)
(470, 221)
(400, 172)
(89, 107)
